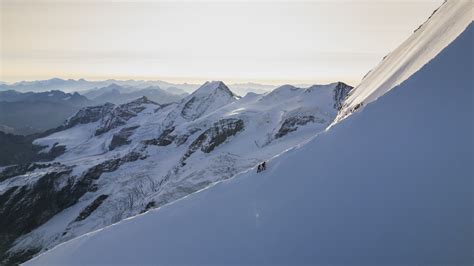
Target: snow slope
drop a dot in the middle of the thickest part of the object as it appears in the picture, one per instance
(389, 185)
(445, 24)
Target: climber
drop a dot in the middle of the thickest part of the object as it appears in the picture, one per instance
(261, 167)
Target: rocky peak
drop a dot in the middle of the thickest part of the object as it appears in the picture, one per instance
(122, 113)
(210, 96)
(212, 87)
(341, 91)
(141, 100)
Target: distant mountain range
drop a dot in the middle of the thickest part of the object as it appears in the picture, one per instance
(54, 96)
(117, 94)
(81, 85)
(26, 113)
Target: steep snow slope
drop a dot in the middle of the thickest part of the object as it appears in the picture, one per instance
(389, 185)
(429, 39)
(122, 160)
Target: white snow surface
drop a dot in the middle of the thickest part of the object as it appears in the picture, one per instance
(389, 185)
(445, 24)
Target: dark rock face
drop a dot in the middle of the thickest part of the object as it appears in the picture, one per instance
(340, 93)
(21, 169)
(22, 256)
(108, 166)
(214, 136)
(91, 208)
(24, 208)
(291, 124)
(121, 138)
(219, 133)
(149, 205)
(121, 114)
(56, 150)
(164, 139)
(89, 115)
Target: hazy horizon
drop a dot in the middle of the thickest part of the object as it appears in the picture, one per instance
(243, 82)
(192, 42)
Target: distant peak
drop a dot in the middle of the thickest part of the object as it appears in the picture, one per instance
(213, 86)
(55, 80)
(141, 100)
(341, 92)
(113, 85)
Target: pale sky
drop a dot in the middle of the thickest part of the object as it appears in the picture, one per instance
(244, 41)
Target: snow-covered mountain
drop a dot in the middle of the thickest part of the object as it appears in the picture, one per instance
(120, 94)
(121, 160)
(389, 185)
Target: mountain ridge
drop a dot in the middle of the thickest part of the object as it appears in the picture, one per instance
(169, 151)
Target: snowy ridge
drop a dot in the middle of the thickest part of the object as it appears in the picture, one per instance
(404, 201)
(445, 24)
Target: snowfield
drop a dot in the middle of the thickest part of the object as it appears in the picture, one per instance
(392, 184)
